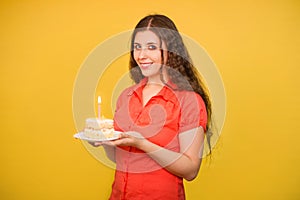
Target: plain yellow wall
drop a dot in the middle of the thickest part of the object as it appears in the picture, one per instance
(255, 45)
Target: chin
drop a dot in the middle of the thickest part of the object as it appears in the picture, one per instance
(150, 73)
(146, 74)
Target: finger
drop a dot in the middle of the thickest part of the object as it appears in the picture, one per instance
(109, 143)
(92, 143)
(97, 144)
(125, 135)
(134, 134)
(118, 142)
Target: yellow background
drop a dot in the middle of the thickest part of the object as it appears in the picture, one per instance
(255, 45)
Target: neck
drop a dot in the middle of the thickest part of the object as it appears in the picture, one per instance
(154, 80)
(157, 78)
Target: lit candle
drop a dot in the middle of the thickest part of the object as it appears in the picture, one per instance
(99, 107)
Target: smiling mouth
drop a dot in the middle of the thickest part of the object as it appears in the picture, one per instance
(145, 65)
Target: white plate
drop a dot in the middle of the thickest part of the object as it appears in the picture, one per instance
(81, 136)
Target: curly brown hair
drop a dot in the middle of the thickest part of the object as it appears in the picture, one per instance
(180, 69)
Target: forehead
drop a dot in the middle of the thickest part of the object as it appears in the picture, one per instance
(146, 37)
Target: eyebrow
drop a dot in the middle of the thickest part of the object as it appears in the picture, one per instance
(146, 43)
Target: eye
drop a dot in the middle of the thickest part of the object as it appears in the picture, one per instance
(152, 47)
(137, 47)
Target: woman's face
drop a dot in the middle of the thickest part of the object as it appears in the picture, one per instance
(147, 53)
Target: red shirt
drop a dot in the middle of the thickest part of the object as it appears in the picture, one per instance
(166, 115)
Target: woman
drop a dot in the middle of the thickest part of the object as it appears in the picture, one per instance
(163, 117)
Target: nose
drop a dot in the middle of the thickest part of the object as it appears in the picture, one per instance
(142, 53)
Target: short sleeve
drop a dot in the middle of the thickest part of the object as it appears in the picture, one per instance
(193, 112)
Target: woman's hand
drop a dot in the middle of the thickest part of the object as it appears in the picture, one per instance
(95, 144)
(131, 138)
(102, 143)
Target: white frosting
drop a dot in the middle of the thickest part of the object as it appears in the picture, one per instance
(98, 129)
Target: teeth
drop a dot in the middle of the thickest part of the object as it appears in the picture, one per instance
(146, 64)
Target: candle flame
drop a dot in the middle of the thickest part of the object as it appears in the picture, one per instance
(99, 99)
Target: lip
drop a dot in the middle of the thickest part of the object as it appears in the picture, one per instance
(145, 65)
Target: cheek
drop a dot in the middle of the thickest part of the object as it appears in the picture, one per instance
(156, 57)
(135, 56)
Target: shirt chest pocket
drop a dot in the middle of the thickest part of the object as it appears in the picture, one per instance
(159, 115)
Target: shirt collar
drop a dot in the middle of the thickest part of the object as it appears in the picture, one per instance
(167, 92)
(137, 88)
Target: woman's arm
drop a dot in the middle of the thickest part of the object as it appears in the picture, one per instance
(185, 164)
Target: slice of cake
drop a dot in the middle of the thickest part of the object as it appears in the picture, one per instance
(98, 129)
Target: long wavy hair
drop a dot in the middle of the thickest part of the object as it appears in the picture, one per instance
(179, 64)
